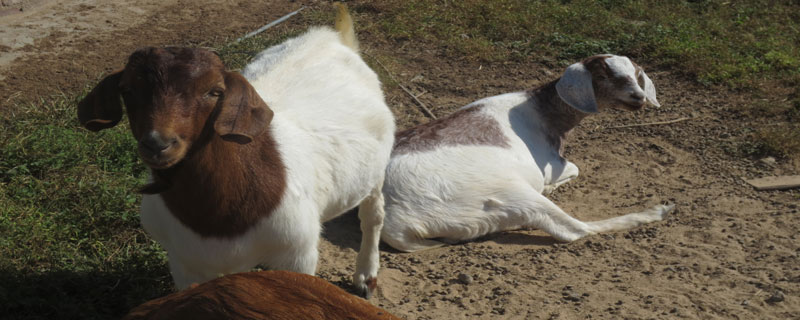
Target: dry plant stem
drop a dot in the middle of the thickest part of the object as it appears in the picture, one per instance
(271, 24)
(650, 123)
(425, 109)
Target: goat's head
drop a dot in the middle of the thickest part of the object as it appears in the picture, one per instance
(175, 98)
(604, 81)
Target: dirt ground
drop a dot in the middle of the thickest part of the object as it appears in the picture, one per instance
(727, 252)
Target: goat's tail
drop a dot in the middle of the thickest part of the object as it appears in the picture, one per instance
(344, 25)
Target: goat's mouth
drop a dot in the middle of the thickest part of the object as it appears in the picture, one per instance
(631, 106)
(160, 160)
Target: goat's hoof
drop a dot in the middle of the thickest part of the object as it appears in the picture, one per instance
(366, 287)
(664, 209)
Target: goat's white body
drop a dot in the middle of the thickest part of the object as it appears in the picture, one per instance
(334, 134)
(460, 192)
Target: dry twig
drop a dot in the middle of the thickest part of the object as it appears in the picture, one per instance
(271, 24)
(650, 123)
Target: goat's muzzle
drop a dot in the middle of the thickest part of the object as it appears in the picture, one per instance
(635, 102)
(160, 151)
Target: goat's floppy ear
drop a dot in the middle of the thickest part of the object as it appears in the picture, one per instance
(244, 114)
(648, 88)
(101, 108)
(575, 88)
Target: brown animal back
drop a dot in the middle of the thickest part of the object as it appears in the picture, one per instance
(464, 127)
(260, 295)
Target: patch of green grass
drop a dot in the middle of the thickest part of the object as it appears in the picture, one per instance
(71, 243)
(736, 43)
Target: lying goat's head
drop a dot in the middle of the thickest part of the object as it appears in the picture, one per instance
(606, 81)
(176, 98)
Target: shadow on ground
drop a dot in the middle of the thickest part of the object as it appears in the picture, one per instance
(80, 295)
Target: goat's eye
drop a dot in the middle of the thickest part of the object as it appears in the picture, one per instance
(216, 92)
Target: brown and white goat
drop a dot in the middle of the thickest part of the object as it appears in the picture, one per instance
(260, 295)
(488, 166)
(246, 167)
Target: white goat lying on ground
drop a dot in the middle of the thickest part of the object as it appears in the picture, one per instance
(486, 167)
(234, 187)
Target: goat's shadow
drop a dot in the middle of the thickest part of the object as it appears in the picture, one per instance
(344, 231)
(520, 237)
(91, 294)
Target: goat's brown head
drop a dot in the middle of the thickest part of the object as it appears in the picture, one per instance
(606, 81)
(175, 99)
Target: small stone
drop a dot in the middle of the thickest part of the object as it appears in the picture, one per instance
(572, 296)
(768, 161)
(464, 278)
(776, 297)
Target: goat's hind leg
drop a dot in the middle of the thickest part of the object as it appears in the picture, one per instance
(541, 213)
(371, 214)
(656, 213)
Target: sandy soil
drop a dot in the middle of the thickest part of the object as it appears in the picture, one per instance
(728, 251)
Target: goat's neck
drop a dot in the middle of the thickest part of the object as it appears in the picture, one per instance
(223, 188)
(558, 117)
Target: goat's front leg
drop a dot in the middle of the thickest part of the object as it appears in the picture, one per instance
(570, 172)
(183, 276)
(371, 214)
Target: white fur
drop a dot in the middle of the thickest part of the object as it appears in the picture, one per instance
(459, 192)
(334, 134)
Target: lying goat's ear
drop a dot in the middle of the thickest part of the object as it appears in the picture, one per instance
(244, 115)
(101, 108)
(648, 88)
(575, 88)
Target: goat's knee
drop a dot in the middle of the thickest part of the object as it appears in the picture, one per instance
(570, 172)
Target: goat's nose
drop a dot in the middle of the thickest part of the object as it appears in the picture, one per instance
(637, 96)
(155, 143)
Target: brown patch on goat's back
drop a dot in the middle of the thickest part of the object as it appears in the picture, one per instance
(465, 127)
(261, 295)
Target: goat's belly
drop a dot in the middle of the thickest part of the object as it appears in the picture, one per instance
(454, 194)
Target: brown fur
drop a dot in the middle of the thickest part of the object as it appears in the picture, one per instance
(464, 127)
(221, 172)
(226, 188)
(559, 117)
(101, 108)
(260, 295)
